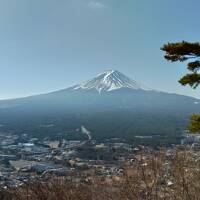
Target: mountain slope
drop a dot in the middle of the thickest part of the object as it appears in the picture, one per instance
(110, 89)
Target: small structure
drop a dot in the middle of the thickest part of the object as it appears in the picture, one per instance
(190, 138)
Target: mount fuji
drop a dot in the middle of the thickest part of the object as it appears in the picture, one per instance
(110, 105)
(110, 80)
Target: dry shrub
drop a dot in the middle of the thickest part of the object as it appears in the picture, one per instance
(160, 178)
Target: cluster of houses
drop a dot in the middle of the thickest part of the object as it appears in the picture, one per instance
(30, 159)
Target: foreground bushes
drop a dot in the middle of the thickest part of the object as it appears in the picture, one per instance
(152, 177)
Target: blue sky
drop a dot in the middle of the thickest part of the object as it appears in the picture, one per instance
(47, 45)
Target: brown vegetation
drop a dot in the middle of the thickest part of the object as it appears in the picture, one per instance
(152, 177)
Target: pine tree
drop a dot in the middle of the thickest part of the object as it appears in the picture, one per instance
(190, 53)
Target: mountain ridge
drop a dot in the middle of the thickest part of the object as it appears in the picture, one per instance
(99, 87)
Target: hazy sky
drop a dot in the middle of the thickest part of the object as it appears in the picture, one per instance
(47, 45)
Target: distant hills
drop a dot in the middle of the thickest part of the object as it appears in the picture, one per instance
(110, 105)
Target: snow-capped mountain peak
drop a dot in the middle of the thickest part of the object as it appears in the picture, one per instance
(110, 80)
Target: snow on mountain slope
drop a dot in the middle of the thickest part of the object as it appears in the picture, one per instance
(110, 80)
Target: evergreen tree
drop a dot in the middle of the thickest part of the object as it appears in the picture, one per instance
(194, 125)
(190, 53)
